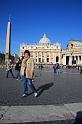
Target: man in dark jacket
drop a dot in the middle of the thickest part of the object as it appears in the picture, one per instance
(17, 68)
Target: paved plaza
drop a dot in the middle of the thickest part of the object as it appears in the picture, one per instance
(59, 98)
(53, 89)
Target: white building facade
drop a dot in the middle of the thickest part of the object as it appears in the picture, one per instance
(47, 53)
(72, 55)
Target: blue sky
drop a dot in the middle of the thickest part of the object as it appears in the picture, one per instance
(61, 20)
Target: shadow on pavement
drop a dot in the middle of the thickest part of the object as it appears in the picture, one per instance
(44, 87)
(78, 119)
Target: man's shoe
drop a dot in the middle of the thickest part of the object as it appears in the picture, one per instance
(16, 78)
(36, 94)
(24, 95)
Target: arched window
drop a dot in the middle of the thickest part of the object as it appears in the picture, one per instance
(71, 45)
(57, 58)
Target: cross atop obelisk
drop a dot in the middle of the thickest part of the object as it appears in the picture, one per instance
(8, 41)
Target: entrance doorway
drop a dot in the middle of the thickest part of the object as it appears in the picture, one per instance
(57, 58)
(67, 60)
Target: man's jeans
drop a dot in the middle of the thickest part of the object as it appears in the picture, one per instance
(18, 74)
(28, 82)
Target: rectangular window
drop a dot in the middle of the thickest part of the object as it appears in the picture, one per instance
(39, 59)
(72, 57)
(80, 58)
(47, 59)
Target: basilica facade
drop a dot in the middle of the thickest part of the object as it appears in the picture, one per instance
(46, 53)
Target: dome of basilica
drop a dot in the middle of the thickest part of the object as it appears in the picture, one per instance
(44, 40)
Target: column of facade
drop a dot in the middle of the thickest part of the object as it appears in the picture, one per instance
(74, 57)
(60, 58)
(41, 56)
(64, 60)
(35, 57)
(49, 57)
(70, 60)
(54, 58)
(45, 58)
(81, 60)
(78, 60)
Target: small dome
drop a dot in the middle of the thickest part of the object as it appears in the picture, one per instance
(44, 40)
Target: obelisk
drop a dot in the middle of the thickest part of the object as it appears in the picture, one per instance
(8, 41)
